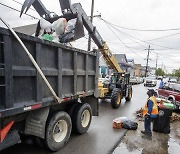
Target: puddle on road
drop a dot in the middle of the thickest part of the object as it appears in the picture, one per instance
(174, 146)
(135, 142)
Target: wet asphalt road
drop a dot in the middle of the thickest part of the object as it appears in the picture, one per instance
(101, 138)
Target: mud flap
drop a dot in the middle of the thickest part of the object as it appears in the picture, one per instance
(93, 102)
(36, 122)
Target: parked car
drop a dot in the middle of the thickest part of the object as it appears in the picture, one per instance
(150, 81)
(171, 92)
(173, 80)
(140, 80)
(134, 80)
(159, 77)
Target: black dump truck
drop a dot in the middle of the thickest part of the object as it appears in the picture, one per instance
(27, 106)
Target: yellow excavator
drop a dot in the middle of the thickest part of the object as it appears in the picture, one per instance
(119, 86)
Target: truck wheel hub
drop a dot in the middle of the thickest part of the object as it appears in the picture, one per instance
(60, 130)
(85, 118)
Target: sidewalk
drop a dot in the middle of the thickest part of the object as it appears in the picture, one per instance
(159, 143)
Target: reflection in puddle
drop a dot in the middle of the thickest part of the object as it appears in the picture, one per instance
(135, 142)
(174, 146)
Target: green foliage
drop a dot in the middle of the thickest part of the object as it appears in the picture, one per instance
(177, 73)
(159, 72)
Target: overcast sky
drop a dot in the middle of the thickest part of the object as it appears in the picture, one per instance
(132, 14)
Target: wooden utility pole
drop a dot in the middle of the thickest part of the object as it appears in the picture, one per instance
(91, 19)
(147, 60)
(156, 60)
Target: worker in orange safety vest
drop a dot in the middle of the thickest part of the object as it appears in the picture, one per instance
(150, 112)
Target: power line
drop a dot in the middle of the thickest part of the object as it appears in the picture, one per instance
(21, 4)
(163, 37)
(17, 10)
(148, 30)
(150, 39)
(158, 38)
(157, 53)
(130, 36)
(143, 46)
(125, 34)
(123, 42)
(137, 42)
(146, 41)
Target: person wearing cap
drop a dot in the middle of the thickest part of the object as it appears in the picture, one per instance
(150, 112)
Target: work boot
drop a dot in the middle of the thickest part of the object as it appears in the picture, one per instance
(146, 133)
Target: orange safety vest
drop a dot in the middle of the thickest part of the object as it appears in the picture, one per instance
(155, 107)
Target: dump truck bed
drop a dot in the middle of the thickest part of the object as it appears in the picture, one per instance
(72, 73)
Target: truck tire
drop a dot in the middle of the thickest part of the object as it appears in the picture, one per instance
(71, 110)
(128, 98)
(116, 98)
(81, 118)
(58, 130)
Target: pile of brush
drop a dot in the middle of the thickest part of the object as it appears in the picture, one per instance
(175, 117)
(139, 115)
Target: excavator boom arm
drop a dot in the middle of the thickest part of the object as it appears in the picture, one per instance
(108, 56)
(72, 11)
(110, 59)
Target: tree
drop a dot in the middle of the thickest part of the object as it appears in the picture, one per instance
(159, 72)
(177, 73)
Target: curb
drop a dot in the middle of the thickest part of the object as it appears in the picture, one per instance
(118, 142)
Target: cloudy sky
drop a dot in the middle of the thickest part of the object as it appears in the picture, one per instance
(128, 26)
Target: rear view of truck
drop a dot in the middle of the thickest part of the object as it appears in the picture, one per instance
(26, 105)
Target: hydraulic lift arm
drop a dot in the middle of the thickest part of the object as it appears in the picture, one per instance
(76, 11)
(108, 56)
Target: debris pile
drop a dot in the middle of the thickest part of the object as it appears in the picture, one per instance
(175, 118)
(139, 115)
(123, 122)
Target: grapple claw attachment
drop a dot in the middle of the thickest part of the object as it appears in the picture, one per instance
(37, 4)
(79, 29)
(25, 4)
(29, 5)
(65, 6)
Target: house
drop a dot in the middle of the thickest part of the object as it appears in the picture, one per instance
(122, 61)
(131, 69)
(138, 69)
(103, 67)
